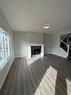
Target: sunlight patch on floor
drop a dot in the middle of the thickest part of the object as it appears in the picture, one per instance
(33, 59)
(47, 85)
(68, 86)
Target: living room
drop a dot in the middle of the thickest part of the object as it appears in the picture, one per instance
(35, 47)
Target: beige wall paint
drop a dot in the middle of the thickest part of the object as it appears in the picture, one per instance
(4, 25)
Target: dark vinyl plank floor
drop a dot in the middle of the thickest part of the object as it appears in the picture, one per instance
(49, 75)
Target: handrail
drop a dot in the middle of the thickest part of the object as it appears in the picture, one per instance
(64, 42)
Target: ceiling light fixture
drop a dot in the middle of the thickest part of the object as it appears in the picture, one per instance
(46, 26)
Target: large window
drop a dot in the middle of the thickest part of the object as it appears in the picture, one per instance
(4, 47)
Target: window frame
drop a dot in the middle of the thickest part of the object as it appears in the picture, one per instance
(6, 59)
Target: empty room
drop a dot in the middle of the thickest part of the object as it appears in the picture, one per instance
(35, 47)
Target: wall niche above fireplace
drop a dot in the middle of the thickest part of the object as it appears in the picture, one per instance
(35, 50)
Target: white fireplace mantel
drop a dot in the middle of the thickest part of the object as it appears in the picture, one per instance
(29, 50)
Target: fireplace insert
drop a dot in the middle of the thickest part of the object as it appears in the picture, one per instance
(35, 50)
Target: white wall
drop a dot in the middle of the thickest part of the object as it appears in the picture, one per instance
(23, 40)
(52, 44)
(4, 25)
(48, 43)
(56, 47)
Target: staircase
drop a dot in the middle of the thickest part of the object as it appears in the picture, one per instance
(67, 42)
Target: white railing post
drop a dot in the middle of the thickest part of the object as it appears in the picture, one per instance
(67, 49)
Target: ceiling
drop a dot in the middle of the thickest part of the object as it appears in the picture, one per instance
(32, 15)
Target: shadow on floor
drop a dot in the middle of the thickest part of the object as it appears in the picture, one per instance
(62, 66)
(24, 80)
(61, 85)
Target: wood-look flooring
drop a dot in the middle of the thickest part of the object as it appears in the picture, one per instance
(49, 75)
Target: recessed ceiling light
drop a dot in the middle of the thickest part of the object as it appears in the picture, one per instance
(46, 26)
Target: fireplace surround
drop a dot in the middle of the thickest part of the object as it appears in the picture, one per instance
(35, 49)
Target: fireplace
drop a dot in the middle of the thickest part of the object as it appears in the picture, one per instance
(35, 50)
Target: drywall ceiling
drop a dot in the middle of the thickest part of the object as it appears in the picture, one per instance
(31, 15)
